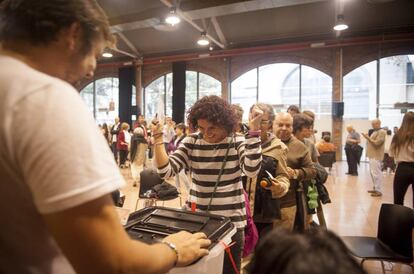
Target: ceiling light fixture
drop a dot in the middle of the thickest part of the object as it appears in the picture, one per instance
(340, 24)
(203, 41)
(172, 17)
(107, 54)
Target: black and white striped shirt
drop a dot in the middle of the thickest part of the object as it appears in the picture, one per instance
(205, 161)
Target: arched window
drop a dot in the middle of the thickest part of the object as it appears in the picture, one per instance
(286, 84)
(365, 100)
(158, 94)
(199, 85)
(101, 98)
(158, 97)
(244, 91)
(396, 78)
(279, 84)
(359, 92)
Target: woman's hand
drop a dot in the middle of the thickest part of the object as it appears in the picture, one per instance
(156, 130)
(255, 118)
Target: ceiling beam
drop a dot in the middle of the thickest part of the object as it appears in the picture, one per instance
(189, 20)
(129, 44)
(244, 6)
(152, 17)
(125, 53)
(138, 16)
(219, 31)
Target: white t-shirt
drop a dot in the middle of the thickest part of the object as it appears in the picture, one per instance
(52, 158)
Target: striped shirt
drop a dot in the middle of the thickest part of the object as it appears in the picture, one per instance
(205, 161)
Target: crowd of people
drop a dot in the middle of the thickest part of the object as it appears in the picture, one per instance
(286, 158)
(63, 219)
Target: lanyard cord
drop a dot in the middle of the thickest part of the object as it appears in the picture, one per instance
(220, 173)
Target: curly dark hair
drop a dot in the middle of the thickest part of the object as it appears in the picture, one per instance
(215, 110)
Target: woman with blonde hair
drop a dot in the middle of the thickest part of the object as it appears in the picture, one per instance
(402, 149)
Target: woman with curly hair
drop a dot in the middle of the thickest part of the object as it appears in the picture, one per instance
(217, 157)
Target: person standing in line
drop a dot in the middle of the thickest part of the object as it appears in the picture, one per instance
(168, 132)
(388, 164)
(142, 153)
(138, 146)
(180, 134)
(351, 150)
(293, 109)
(402, 149)
(307, 135)
(114, 132)
(265, 201)
(216, 157)
(375, 153)
(105, 133)
(123, 144)
(241, 127)
(299, 168)
(313, 131)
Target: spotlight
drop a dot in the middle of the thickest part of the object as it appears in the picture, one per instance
(107, 54)
(172, 17)
(203, 41)
(340, 24)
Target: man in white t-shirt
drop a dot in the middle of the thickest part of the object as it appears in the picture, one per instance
(55, 185)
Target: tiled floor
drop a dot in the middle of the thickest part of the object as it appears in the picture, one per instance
(352, 211)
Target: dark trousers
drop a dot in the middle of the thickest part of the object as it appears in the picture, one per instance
(352, 159)
(403, 178)
(123, 154)
(236, 251)
(115, 151)
(263, 228)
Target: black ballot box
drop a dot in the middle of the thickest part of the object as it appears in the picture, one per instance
(152, 224)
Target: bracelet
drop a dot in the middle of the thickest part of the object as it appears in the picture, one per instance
(254, 133)
(159, 143)
(173, 248)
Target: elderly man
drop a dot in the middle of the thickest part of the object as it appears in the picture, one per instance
(351, 150)
(300, 167)
(375, 153)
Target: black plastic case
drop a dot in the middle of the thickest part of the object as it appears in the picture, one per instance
(152, 224)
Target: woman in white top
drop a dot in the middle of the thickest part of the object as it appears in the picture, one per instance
(402, 149)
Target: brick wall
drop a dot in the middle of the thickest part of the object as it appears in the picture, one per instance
(327, 60)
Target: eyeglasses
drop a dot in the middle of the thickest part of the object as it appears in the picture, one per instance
(265, 122)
